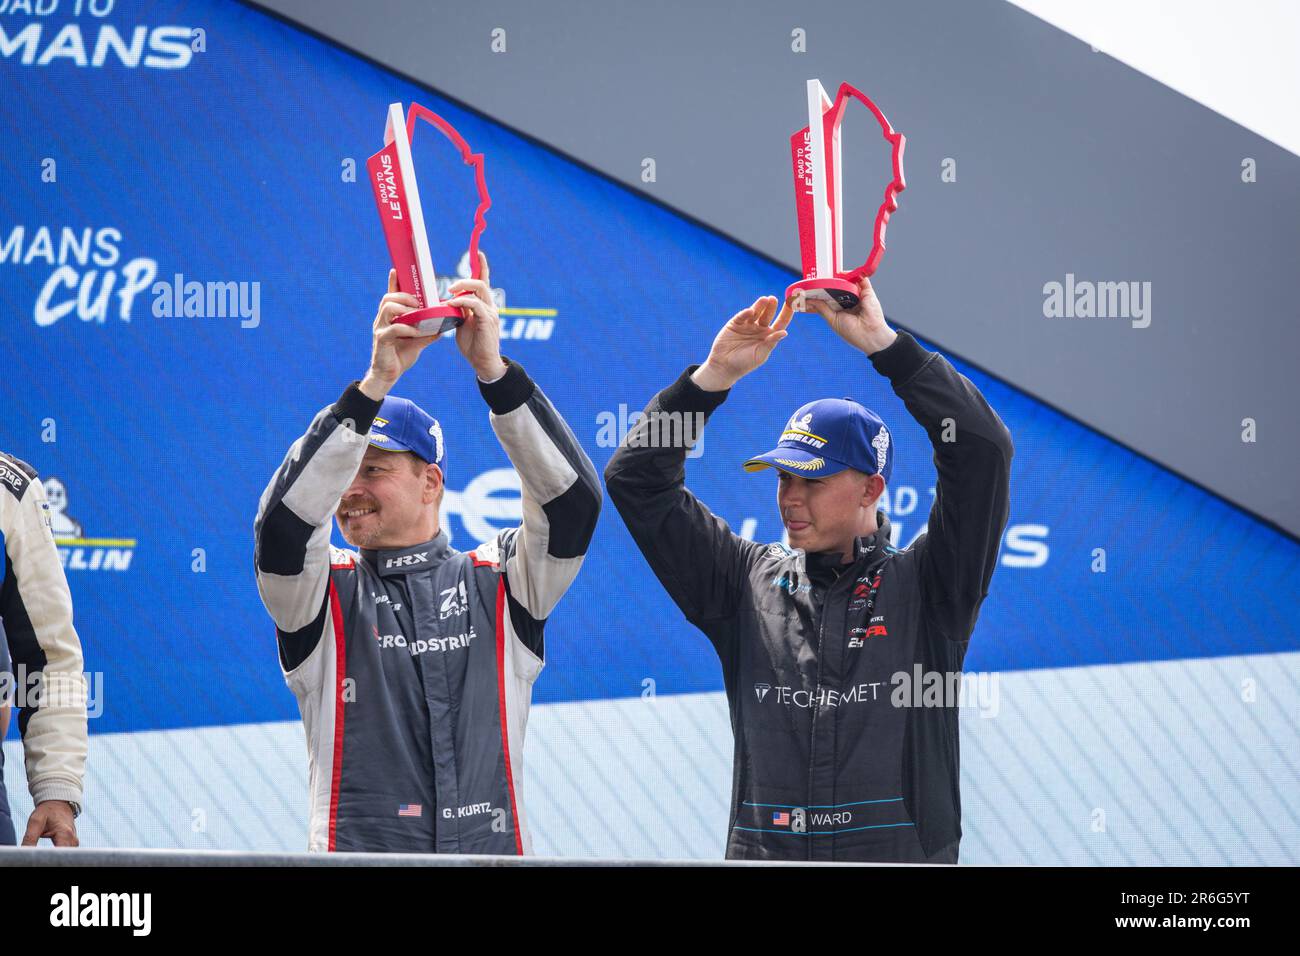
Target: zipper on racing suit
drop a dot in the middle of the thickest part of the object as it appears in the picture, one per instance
(875, 570)
(812, 741)
(817, 696)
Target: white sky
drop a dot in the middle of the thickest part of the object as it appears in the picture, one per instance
(1239, 58)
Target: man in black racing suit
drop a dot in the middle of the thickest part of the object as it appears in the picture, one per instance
(839, 653)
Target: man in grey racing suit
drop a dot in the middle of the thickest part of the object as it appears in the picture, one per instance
(412, 662)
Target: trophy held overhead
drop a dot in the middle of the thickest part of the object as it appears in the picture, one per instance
(818, 193)
(392, 174)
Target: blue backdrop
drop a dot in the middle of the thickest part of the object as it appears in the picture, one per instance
(231, 164)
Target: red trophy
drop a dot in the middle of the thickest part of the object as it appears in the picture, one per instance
(392, 174)
(815, 151)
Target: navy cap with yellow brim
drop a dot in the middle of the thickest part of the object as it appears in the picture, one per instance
(401, 425)
(827, 436)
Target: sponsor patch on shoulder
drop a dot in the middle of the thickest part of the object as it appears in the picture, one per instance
(13, 479)
(341, 559)
(778, 550)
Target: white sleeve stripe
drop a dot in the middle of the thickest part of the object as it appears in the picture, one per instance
(543, 470)
(316, 492)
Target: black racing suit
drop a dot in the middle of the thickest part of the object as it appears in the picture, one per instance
(845, 749)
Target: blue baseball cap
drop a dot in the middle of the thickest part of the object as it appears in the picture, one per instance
(402, 425)
(827, 436)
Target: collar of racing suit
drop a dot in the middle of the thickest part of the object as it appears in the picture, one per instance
(825, 566)
(418, 557)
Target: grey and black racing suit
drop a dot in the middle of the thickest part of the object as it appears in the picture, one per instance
(413, 669)
(840, 751)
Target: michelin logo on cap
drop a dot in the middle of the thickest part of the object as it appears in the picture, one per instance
(827, 436)
(800, 430)
(401, 425)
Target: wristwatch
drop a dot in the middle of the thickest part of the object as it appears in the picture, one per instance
(76, 808)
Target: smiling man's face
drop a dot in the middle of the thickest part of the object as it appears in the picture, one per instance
(392, 501)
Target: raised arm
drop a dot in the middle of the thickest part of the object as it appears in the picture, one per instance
(972, 454)
(561, 496)
(293, 524)
(295, 518)
(695, 555)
